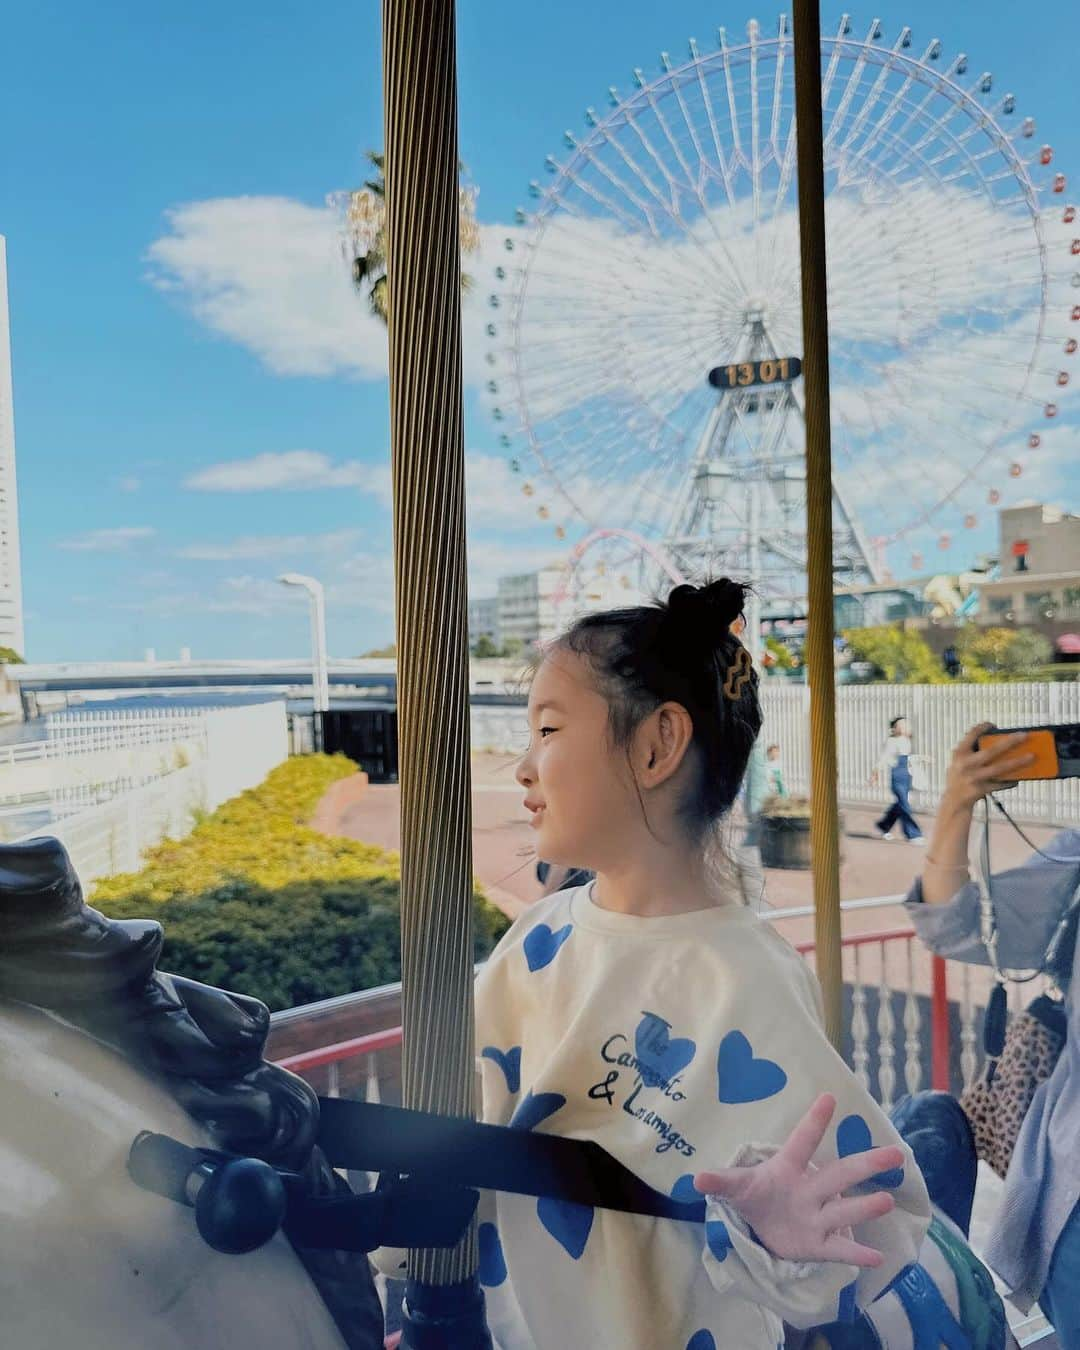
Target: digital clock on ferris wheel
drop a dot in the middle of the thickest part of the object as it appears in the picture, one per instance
(745, 374)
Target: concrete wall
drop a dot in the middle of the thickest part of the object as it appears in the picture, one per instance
(242, 745)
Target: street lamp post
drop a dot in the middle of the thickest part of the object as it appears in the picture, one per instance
(320, 676)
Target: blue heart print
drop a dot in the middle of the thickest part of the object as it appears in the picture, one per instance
(741, 1078)
(507, 1060)
(846, 1308)
(718, 1238)
(541, 945)
(568, 1223)
(660, 1059)
(701, 1340)
(492, 1261)
(853, 1136)
(534, 1108)
(684, 1192)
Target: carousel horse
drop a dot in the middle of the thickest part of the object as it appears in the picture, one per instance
(97, 1047)
(100, 1052)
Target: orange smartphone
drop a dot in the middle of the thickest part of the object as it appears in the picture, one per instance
(1056, 750)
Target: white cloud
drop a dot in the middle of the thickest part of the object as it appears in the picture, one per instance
(280, 546)
(493, 492)
(116, 540)
(129, 483)
(288, 470)
(268, 274)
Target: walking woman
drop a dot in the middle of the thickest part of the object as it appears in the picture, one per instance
(896, 761)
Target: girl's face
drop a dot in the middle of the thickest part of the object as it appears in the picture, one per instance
(579, 789)
(901, 728)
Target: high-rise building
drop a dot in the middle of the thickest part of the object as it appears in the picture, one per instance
(11, 611)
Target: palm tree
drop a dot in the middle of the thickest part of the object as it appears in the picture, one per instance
(365, 227)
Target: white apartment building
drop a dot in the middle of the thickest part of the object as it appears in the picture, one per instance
(526, 607)
(530, 609)
(11, 610)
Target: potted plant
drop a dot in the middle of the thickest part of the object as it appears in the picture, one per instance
(784, 838)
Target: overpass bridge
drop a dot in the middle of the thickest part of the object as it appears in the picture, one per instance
(357, 681)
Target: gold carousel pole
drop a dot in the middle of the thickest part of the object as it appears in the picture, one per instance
(444, 1306)
(825, 821)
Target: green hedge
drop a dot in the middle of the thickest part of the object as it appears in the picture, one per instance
(255, 901)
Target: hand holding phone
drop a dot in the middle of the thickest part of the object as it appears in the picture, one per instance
(985, 761)
(1032, 753)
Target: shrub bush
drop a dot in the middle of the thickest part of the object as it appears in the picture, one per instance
(898, 656)
(256, 901)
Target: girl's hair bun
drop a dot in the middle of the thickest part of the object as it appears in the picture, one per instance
(705, 609)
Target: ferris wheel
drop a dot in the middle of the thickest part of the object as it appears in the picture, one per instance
(646, 331)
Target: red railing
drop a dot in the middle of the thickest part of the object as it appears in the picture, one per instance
(940, 1048)
(334, 1054)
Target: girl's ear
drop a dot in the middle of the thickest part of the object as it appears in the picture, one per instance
(661, 743)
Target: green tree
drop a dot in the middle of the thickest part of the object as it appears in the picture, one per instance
(897, 655)
(384, 652)
(512, 648)
(484, 647)
(10, 657)
(365, 216)
(1003, 653)
(780, 653)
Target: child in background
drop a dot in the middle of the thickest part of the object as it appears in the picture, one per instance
(651, 1012)
(774, 771)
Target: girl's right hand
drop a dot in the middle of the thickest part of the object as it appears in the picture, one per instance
(800, 1212)
(973, 773)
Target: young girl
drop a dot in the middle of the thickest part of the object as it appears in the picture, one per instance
(653, 1014)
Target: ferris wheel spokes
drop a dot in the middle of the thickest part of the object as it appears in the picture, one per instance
(673, 218)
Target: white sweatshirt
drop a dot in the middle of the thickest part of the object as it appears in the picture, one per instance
(680, 1044)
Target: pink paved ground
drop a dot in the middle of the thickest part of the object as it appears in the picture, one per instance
(504, 858)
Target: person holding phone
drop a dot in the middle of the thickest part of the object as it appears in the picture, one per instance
(1035, 1246)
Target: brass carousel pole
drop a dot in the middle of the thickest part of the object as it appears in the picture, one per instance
(825, 822)
(444, 1305)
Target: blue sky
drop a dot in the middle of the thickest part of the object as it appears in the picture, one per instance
(184, 429)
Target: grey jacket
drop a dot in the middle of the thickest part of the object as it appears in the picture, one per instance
(1043, 1184)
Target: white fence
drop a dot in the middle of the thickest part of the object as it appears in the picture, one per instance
(235, 748)
(89, 756)
(939, 716)
(112, 836)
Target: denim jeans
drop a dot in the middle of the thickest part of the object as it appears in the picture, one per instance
(1060, 1299)
(900, 810)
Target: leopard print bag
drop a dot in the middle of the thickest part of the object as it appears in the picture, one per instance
(998, 1100)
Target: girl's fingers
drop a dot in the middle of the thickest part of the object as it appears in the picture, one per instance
(850, 1252)
(805, 1139)
(849, 1213)
(730, 1183)
(835, 1178)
